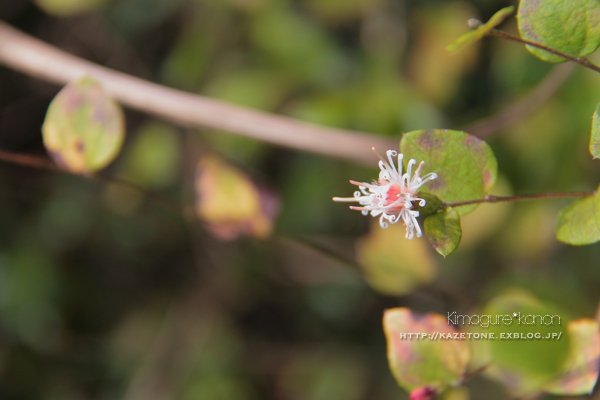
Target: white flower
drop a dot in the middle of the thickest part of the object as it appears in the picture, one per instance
(392, 196)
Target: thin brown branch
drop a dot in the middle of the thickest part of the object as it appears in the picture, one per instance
(521, 109)
(31, 161)
(579, 60)
(27, 160)
(498, 199)
(31, 56)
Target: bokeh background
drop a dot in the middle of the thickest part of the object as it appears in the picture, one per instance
(109, 294)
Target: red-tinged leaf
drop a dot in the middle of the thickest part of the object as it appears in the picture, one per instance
(571, 27)
(435, 361)
(230, 203)
(466, 167)
(580, 372)
(84, 127)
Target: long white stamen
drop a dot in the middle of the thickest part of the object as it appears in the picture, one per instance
(382, 161)
(364, 184)
(415, 223)
(421, 201)
(382, 223)
(429, 177)
(418, 228)
(385, 175)
(344, 199)
(418, 171)
(390, 154)
(411, 162)
(400, 166)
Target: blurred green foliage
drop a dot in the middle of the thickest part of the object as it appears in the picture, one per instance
(106, 294)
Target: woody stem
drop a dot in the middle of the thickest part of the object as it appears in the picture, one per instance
(498, 199)
(579, 60)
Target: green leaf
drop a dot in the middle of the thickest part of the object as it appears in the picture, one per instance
(580, 372)
(417, 363)
(84, 128)
(466, 166)
(579, 222)
(595, 138)
(471, 37)
(572, 27)
(432, 206)
(443, 230)
(525, 364)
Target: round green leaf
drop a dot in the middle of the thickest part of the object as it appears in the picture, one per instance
(431, 361)
(595, 137)
(84, 127)
(579, 222)
(476, 34)
(443, 230)
(466, 166)
(572, 27)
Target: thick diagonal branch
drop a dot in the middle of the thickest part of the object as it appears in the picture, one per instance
(40, 60)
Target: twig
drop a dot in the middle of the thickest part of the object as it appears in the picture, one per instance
(498, 199)
(27, 160)
(31, 56)
(519, 110)
(31, 161)
(579, 60)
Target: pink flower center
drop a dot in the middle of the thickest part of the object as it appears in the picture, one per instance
(392, 195)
